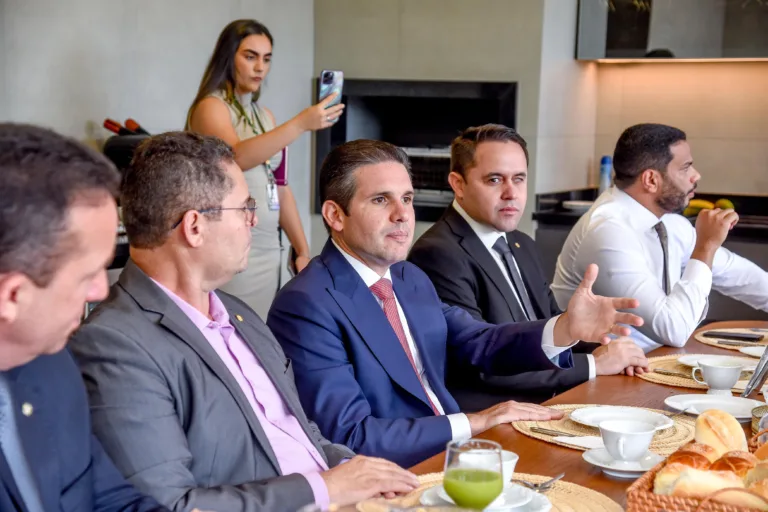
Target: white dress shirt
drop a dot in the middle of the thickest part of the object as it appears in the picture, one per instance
(617, 233)
(488, 236)
(460, 427)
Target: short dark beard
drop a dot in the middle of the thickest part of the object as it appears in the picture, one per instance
(672, 199)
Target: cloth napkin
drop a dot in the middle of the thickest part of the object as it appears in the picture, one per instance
(588, 442)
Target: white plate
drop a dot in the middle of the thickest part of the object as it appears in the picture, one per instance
(739, 408)
(538, 503)
(578, 206)
(753, 351)
(593, 416)
(601, 458)
(692, 360)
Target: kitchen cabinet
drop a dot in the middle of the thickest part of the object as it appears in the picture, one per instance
(677, 29)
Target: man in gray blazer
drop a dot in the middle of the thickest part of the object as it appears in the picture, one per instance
(190, 393)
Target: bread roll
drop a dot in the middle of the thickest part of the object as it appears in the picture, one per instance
(736, 461)
(762, 452)
(760, 487)
(666, 477)
(759, 472)
(694, 455)
(741, 499)
(704, 449)
(694, 483)
(721, 431)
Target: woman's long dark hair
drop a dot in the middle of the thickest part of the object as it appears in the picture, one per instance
(220, 71)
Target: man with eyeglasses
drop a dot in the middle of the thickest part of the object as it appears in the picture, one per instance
(190, 393)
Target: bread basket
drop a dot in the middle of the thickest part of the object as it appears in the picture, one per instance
(641, 498)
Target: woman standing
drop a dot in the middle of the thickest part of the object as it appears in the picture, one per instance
(227, 106)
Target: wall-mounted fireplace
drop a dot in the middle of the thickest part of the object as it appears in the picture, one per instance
(422, 117)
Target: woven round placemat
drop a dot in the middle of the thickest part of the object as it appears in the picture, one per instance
(564, 496)
(670, 364)
(714, 341)
(664, 442)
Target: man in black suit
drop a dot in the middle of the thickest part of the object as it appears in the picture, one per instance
(478, 261)
(58, 220)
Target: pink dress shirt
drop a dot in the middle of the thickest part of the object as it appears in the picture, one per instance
(294, 451)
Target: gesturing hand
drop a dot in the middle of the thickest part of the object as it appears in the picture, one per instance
(591, 317)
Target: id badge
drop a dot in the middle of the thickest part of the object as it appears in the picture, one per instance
(273, 200)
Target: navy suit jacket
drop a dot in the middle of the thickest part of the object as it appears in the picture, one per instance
(71, 470)
(354, 379)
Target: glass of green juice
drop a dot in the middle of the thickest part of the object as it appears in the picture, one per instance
(473, 473)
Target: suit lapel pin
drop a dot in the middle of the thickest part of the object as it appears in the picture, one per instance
(517, 245)
(27, 409)
(239, 318)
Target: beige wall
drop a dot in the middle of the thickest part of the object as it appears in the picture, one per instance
(478, 40)
(722, 106)
(567, 106)
(70, 64)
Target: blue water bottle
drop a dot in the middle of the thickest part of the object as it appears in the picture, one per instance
(605, 174)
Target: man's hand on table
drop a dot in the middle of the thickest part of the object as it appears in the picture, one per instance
(621, 355)
(363, 477)
(507, 412)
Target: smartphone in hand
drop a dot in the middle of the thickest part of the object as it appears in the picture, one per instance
(330, 82)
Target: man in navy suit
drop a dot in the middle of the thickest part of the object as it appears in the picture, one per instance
(58, 222)
(370, 339)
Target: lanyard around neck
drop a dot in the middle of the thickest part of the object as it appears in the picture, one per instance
(241, 112)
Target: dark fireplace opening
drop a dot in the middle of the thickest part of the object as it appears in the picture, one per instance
(422, 117)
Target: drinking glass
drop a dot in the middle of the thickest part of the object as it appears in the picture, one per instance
(473, 473)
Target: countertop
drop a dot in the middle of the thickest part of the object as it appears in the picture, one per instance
(752, 225)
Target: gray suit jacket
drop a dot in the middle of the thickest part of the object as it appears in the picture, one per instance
(171, 415)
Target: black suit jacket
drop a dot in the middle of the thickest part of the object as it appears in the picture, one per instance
(72, 472)
(466, 275)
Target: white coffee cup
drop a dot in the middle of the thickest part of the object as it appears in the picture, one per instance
(720, 375)
(627, 440)
(484, 460)
(508, 462)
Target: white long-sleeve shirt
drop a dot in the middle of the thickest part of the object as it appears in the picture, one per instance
(618, 234)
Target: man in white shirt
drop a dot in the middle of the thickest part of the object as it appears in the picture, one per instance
(646, 250)
(478, 260)
(369, 338)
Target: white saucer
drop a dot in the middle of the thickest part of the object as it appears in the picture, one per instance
(753, 351)
(692, 360)
(620, 469)
(740, 408)
(513, 496)
(593, 416)
(537, 503)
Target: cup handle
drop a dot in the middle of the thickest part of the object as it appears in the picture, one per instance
(693, 376)
(622, 442)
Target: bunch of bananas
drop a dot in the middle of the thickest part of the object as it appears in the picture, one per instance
(696, 205)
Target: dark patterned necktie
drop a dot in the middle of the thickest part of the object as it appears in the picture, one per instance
(661, 230)
(502, 247)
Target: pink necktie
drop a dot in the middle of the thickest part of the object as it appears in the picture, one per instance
(383, 290)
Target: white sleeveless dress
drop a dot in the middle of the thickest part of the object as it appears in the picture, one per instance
(257, 284)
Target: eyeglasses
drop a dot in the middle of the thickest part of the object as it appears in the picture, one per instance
(249, 210)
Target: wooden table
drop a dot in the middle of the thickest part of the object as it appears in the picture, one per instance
(541, 458)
